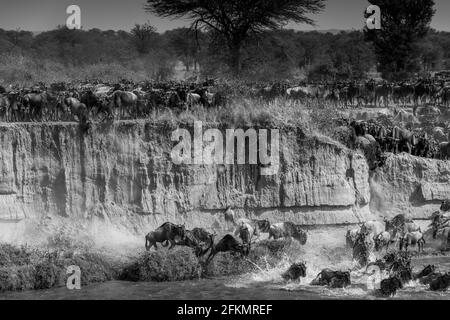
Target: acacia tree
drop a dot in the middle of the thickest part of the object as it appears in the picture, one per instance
(403, 24)
(237, 20)
(142, 37)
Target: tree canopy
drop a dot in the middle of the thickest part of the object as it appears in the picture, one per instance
(237, 20)
(403, 24)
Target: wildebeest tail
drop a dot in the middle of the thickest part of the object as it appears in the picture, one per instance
(147, 245)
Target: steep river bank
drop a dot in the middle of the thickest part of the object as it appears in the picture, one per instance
(109, 187)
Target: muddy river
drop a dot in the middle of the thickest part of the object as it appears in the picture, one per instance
(260, 285)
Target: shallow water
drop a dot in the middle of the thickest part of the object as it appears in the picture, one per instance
(260, 285)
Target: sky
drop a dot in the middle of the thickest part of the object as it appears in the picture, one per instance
(43, 15)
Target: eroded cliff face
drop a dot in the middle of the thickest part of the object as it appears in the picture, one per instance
(122, 175)
(410, 185)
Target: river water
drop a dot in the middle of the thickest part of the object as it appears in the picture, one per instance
(260, 285)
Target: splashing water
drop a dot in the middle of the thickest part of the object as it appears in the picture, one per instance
(329, 253)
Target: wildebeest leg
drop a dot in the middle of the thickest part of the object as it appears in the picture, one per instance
(211, 256)
(172, 244)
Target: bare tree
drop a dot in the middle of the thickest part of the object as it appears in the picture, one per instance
(237, 20)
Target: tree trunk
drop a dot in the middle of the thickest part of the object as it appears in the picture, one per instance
(236, 58)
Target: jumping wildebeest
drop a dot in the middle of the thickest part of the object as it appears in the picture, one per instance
(372, 228)
(204, 236)
(167, 232)
(228, 243)
(334, 279)
(189, 240)
(351, 236)
(295, 271)
(362, 247)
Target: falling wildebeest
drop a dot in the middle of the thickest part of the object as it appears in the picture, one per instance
(226, 244)
(167, 232)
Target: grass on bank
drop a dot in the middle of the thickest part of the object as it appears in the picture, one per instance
(25, 268)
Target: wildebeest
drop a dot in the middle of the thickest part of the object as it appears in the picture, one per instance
(445, 206)
(261, 226)
(397, 223)
(77, 108)
(403, 138)
(389, 287)
(428, 270)
(384, 239)
(334, 279)
(226, 244)
(412, 238)
(295, 271)
(254, 227)
(189, 240)
(372, 228)
(204, 236)
(362, 247)
(4, 108)
(351, 236)
(245, 231)
(167, 232)
(288, 230)
(36, 104)
(441, 283)
(438, 223)
(123, 101)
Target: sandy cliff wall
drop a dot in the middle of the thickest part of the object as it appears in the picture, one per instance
(410, 185)
(123, 175)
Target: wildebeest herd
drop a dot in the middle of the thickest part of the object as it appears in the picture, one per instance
(93, 100)
(403, 232)
(96, 100)
(365, 93)
(202, 242)
(369, 237)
